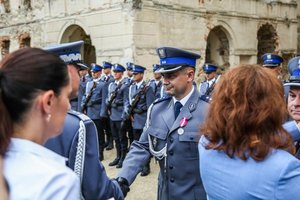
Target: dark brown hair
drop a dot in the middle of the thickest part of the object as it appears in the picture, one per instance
(23, 74)
(246, 114)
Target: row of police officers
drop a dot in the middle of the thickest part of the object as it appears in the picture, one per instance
(165, 128)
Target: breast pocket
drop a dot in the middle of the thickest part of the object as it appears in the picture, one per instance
(189, 143)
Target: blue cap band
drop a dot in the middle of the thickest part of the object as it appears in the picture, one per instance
(178, 61)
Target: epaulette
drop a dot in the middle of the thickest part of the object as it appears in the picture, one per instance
(79, 115)
(161, 99)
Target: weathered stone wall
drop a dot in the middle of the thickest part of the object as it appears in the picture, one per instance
(131, 30)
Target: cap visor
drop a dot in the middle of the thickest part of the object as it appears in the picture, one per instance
(167, 70)
(292, 84)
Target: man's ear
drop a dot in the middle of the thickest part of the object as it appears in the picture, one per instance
(191, 75)
(47, 99)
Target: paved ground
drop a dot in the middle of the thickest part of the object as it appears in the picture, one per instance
(143, 188)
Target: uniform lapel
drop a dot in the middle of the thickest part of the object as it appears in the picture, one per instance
(186, 110)
(168, 116)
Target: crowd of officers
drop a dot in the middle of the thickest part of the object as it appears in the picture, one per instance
(117, 105)
(117, 102)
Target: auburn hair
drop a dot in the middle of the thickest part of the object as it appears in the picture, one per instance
(246, 114)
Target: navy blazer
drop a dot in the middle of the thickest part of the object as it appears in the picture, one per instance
(144, 103)
(120, 102)
(95, 183)
(96, 103)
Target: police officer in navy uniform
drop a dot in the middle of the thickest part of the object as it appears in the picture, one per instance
(129, 78)
(156, 83)
(107, 78)
(273, 62)
(84, 78)
(78, 141)
(206, 87)
(138, 119)
(126, 129)
(117, 100)
(94, 100)
(74, 101)
(293, 101)
(171, 133)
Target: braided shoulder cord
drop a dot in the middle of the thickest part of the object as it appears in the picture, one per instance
(80, 153)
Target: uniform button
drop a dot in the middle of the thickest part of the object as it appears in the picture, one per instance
(171, 153)
(171, 140)
(191, 138)
(171, 166)
(172, 180)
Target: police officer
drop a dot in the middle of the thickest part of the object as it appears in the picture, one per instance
(84, 78)
(74, 100)
(293, 101)
(206, 87)
(140, 89)
(273, 62)
(171, 133)
(156, 83)
(94, 101)
(126, 127)
(78, 141)
(129, 78)
(107, 78)
(116, 101)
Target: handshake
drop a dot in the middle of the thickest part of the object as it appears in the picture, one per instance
(123, 183)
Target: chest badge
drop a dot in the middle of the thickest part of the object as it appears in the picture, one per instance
(183, 123)
(180, 131)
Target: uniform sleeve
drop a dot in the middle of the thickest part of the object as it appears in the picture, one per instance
(292, 128)
(288, 185)
(96, 184)
(136, 159)
(62, 186)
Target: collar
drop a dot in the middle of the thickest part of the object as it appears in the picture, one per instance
(139, 83)
(22, 145)
(117, 82)
(97, 79)
(184, 99)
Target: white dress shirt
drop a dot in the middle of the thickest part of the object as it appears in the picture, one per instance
(34, 172)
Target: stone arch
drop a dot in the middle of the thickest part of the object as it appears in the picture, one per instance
(218, 47)
(75, 32)
(267, 41)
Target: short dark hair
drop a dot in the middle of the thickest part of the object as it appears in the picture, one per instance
(23, 74)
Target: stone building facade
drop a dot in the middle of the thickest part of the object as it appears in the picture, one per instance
(224, 32)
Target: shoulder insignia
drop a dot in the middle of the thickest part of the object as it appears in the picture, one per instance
(79, 115)
(162, 99)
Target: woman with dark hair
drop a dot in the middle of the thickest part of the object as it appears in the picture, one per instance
(244, 151)
(3, 183)
(34, 100)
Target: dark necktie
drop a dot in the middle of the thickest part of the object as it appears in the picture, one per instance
(177, 108)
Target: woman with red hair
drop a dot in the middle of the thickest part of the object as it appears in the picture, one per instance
(244, 151)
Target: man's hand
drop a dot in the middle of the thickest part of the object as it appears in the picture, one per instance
(123, 183)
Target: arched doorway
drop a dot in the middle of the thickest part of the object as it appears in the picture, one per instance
(75, 33)
(218, 48)
(267, 41)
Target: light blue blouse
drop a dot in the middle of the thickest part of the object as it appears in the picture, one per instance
(34, 172)
(276, 177)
